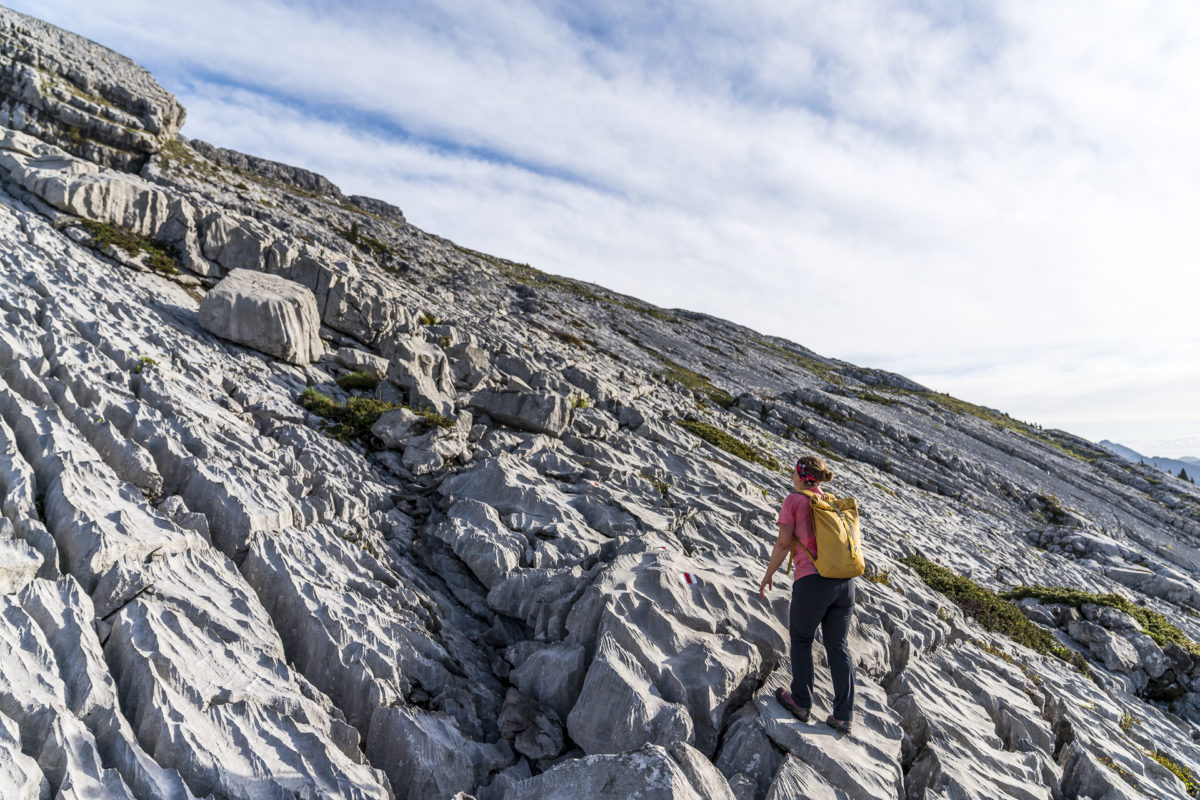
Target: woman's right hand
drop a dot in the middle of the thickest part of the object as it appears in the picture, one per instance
(767, 583)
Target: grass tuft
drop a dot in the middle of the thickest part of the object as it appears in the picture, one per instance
(352, 419)
(358, 381)
(1157, 626)
(994, 612)
(159, 254)
(719, 438)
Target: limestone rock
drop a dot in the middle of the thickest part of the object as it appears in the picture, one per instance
(270, 314)
(553, 675)
(421, 369)
(80, 96)
(649, 773)
(535, 729)
(431, 450)
(541, 412)
(619, 709)
(202, 670)
(396, 427)
(427, 756)
(492, 551)
(362, 361)
(19, 563)
(1111, 648)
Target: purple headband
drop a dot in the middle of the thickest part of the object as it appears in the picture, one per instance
(804, 474)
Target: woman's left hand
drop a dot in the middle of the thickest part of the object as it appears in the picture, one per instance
(767, 583)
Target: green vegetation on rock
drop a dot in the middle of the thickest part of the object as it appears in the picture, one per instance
(358, 381)
(1179, 770)
(1155, 624)
(159, 257)
(352, 419)
(719, 438)
(1052, 510)
(433, 419)
(365, 243)
(994, 612)
(693, 381)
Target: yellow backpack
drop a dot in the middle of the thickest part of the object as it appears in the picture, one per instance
(839, 551)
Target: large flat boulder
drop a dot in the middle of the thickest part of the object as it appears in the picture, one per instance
(266, 312)
(539, 412)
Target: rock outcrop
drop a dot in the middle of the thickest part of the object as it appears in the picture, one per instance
(83, 97)
(509, 545)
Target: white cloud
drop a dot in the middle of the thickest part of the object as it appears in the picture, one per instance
(1006, 188)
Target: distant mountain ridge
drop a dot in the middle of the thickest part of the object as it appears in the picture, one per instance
(1171, 465)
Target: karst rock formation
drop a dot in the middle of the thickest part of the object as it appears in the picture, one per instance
(300, 501)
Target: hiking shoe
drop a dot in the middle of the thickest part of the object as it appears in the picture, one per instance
(838, 725)
(787, 701)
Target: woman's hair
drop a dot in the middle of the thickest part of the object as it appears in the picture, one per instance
(815, 468)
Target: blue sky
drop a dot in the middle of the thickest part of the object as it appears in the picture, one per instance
(995, 199)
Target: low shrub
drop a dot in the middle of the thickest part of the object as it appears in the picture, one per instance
(1179, 770)
(881, 576)
(159, 254)
(719, 438)
(352, 419)
(994, 612)
(433, 419)
(360, 381)
(1157, 626)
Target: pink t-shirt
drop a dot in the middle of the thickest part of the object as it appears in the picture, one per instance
(797, 511)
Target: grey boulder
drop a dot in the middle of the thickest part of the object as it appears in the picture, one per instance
(265, 312)
(420, 368)
(539, 412)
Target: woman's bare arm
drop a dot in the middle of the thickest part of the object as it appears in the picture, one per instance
(783, 545)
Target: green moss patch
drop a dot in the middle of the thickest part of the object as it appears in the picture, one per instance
(730, 444)
(1157, 626)
(994, 612)
(358, 381)
(160, 256)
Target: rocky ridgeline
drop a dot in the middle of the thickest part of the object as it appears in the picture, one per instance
(95, 103)
(300, 501)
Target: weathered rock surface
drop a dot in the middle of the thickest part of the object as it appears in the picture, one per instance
(268, 313)
(420, 368)
(70, 91)
(551, 594)
(540, 412)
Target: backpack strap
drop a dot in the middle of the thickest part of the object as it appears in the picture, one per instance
(799, 544)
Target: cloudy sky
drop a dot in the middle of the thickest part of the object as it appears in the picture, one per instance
(998, 199)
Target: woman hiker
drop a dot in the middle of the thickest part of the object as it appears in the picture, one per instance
(828, 602)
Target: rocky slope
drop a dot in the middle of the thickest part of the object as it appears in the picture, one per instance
(225, 573)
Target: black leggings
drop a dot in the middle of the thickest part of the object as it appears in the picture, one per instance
(828, 602)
